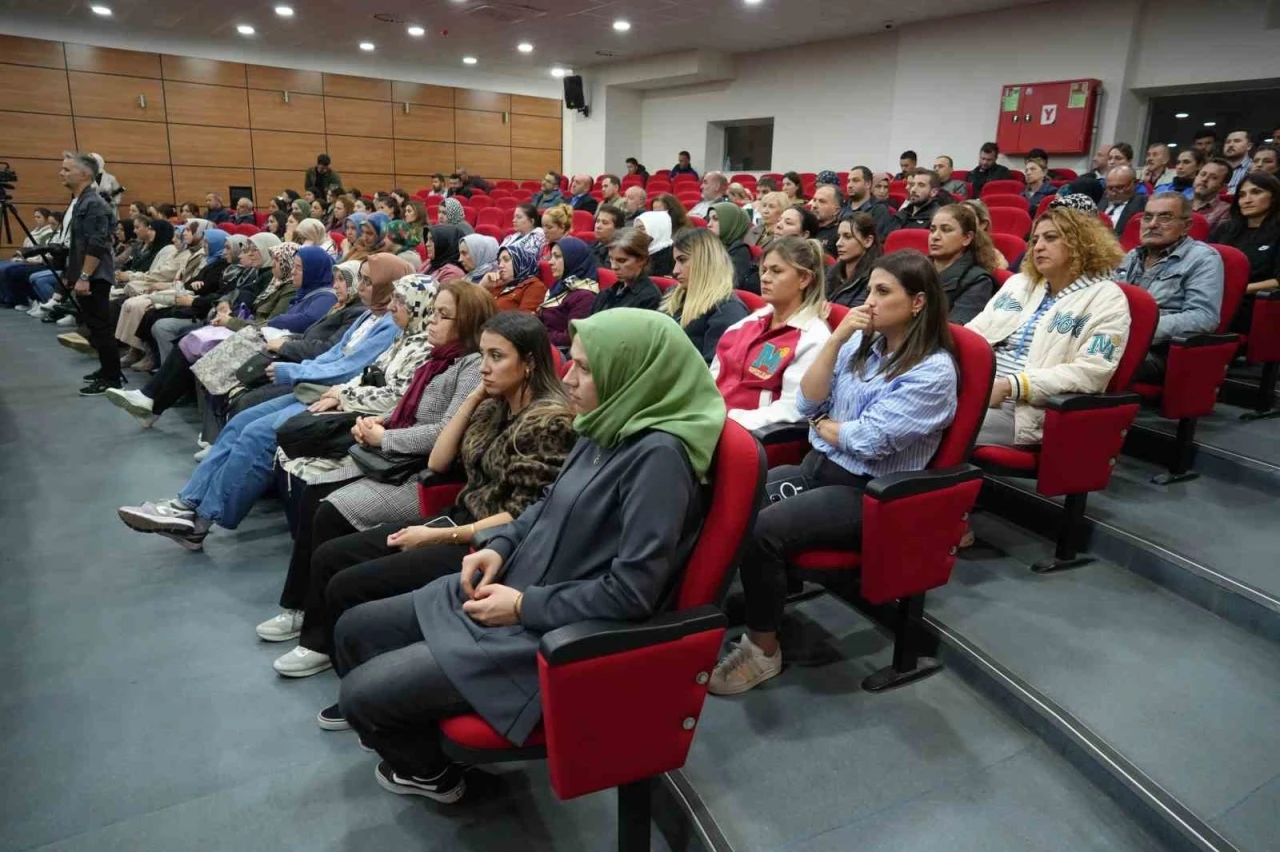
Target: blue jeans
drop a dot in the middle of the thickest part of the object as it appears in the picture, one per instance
(238, 467)
(14, 275)
(43, 285)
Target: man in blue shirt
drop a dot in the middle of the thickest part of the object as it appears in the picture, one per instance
(550, 195)
(683, 167)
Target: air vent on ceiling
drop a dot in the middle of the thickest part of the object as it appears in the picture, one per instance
(608, 53)
(388, 18)
(504, 13)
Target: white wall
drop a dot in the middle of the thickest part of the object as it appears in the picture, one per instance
(1191, 43)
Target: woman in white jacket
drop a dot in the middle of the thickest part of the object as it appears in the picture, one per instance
(1059, 326)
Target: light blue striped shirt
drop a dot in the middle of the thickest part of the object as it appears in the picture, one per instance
(885, 426)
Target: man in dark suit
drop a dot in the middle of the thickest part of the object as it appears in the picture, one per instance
(580, 194)
(91, 267)
(1122, 197)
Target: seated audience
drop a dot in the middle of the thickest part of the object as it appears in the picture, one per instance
(452, 212)
(769, 207)
(715, 189)
(1038, 185)
(609, 220)
(880, 186)
(1266, 158)
(415, 216)
(943, 167)
(983, 213)
(455, 187)
(571, 296)
(649, 423)
(1157, 170)
(549, 195)
(357, 245)
(1206, 192)
(1185, 169)
(443, 263)
(730, 224)
(635, 167)
(668, 203)
(1183, 275)
(474, 182)
(796, 221)
(515, 285)
(1122, 198)
(907, 161)
(987, 169)
(1254, 228)
(878, 395)
(742, 197)
(682, 167)
(580, 194)
(629, 260)
(1206, 142)
(1235, 150)
(858, 248)
(793, 187)
(703, 302)
(557, 222)
(767, 183)
(478, 256)
(859, 198)
(401, 242)
(277, 224)
(610, 189)
(529, 233)
(215, 211)
(964, 258)
(634, 201)
(922, 201)
(318, 211)
(760, 360)
(826, 205)
(657, 224)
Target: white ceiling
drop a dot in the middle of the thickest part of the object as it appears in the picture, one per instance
(570, 33)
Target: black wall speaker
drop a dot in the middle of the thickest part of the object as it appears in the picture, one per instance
(573, 97)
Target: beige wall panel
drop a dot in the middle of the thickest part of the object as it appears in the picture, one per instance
(108, 60)
(529, 131)
(303, 113)
(24, 88)
(190, 183)
(351, 117)
(198, 103)
(533, 163)
(148, 184)
(359, 154)
(268, 183)
(124, 141)
(424, 158)
(23, 134)
(492, 162)
(38, 181)
(477, 99)
(369, 182)
(546, 107)
(481, 128)
(292, 151)
(226, 147)
(113, 96)
(430, 124)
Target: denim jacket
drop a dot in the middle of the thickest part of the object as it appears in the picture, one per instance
(1186, 283)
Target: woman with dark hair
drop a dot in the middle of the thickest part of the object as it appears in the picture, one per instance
(878, 397)
(574, 268)
(857, 250)
(629, 259)
(415, 215)
(443, 245)
(796, 221)
(730, 223)
(515, 284)
(964, 256)
(673, 208)
(793, 187)
(609, 220)
(124, 243)
(278, 223)
(703, 302)
(529, 233)
(1253, 227)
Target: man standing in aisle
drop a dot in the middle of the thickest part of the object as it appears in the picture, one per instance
(320, 177)
(91, 266)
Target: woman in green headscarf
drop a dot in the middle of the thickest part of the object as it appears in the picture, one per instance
(727, 221)
(606, 542)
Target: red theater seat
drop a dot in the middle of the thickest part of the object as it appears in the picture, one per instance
(756, 252)
(544, 273)
(338, 238)
(260, 217)
(753, 301)
(664, 283)
(1008, 220)
(495, 216)
(1010, 246)
(999, 199)
(1002, 187)
(605, 278)
(490, 231)
(907, 238)
(583, 221)
(530, 186)
(508, 185)
(585, 236)
(1083, 434)
(1264, 348)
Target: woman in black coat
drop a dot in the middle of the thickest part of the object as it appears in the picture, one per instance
(703, 303)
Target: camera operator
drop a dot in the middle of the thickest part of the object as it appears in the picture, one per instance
(91, 266)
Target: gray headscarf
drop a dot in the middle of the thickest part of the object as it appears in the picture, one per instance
(484, 254)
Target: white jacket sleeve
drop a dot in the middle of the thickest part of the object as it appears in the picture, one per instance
(783, 409)
(1096, 355)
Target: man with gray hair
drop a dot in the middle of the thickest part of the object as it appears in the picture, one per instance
(1183, 275)
(580, 194)
(1122, 197)
(633, 203)
(715, 188)
(91, 266)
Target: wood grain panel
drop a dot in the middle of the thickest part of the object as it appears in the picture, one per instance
(477, 99)
(26, 88)
(424, 158)
(198, 103)
(209, 146)
(292, 151)
(123, 141)
(191, 183)
(109, 60)
(533, 163)
(492, 162)
(545, 107)
(350, 117)
(432, 124)
(303, 113)
(421, 93)
(268, 183)
(33, 51)
(285, 80)
(529, 131)
(357, 154)
(481, 128)
(189, 69)
(369, 182)
(344, 86)
(23, 134)
(413, 183)
(113, 96)
(38, 182)
(148, 184)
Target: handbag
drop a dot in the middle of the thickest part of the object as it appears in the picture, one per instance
(217, 369)
(373, 376)
(253, 373)
(197, 343)
(385, 467)
(326, 435)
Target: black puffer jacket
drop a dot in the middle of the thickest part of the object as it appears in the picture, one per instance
(968, 286)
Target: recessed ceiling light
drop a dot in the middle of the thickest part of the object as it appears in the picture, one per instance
(469, 60)
(245, 29)
(284, 11)
(752, 2)
(366, 45)
(416, 32)
(1211, 124)
(621, 25)
(1182, 115)
(104, 11)
(1172, 145)
(524, 47)
(559, 72)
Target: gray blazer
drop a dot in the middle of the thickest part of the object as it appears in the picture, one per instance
(606, 542)
(91, 235)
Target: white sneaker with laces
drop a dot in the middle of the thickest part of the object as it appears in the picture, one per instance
(137, 403)
(745, 667)
(66, 321)
(164, 516)
(202, 455)
(302, 662)
(285, 626)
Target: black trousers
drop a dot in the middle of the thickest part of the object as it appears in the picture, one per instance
(827, 514)
(95, 311)
(172, 382)
(393, 691)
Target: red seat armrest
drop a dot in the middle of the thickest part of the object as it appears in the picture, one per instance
(438, 491)
(621, 701)
(784, 443)
(1196, 368)
(1083, 434)
(1264, 329)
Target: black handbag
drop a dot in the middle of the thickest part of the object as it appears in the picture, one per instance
(326, 435)
(253, 373)
(385, 467)
(373, 377)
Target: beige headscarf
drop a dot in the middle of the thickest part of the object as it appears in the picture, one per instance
(311, 232)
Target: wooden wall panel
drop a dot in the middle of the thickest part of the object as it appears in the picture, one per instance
(124, 141)
(113, 96)
(528, 131)
(344, 86)
(303, 113)
(192, 70)
(369, 182)
(481, 128)
(148, 184)
(32, 51)
(198, 103)
(430, 124)
(413, 183)
(292, 151)
(29, 89)
(108, 60)
(546, 107)
(269, 183)
(23, 134)
(359, 154)
(285, 80)
(492, 162)
(487, 101)
(350, 117)
(38, 181)
(421, 93)
(210, 146)
(424, 158)
(533, 163)
(191, 183)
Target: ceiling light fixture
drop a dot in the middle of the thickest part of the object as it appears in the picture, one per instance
(469, 60)
(1182, 115)
(417, 32)
(245, 29)
(752, 2)
(284, 11)
(104, 11)
(621, 25)
(1171, 145)
(1211, 124)
(366, 46)
(559, 72)
(524, 47)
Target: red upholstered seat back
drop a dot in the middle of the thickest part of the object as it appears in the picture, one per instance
(495, 216)
(1143, 315)
(664, 283)
(1010, 220)
(1002, 187)
(753, 301)
(907, 238)
(605, 278)
(1235, 279)
(1001, 276)
(544, 272)
(1010, 246)
(976, 365)
(1004, 199)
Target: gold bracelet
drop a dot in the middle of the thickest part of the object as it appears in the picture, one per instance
(519, 604)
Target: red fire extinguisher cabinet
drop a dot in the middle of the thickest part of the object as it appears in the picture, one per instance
(1056, 116)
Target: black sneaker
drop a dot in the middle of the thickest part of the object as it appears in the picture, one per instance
(447, 787)
(331, 719)
(99, 386)
(98, 372)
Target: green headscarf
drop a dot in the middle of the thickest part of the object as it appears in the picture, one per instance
(649, 375)
(733, 222)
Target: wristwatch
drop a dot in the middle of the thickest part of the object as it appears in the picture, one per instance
(84, 276)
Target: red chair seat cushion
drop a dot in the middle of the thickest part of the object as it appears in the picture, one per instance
(473, 732)
(1149, 392)
(826, 560)
(1009, 458)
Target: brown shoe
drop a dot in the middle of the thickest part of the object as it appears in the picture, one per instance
(131, 357)
(143, 365)
(75, 341)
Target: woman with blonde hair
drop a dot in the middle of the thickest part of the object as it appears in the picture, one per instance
(742, 197)
(703, 301)
(557, 222)
(964, 257)
(983, 213)
(769, 208)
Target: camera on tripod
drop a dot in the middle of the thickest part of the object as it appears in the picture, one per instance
(8, 177)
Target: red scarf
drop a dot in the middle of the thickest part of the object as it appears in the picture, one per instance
(441, 359)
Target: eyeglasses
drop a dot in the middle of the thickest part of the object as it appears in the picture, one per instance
(1164, 220)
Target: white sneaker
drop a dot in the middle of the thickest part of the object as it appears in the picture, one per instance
(26, 306)
(302, 662)
(163, 516)
(285, 626)
(203, 454)
(135, 402)
(744, 667)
